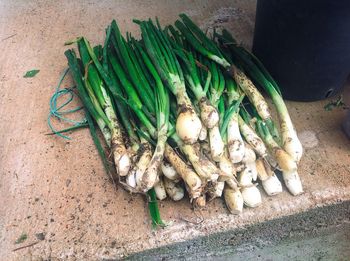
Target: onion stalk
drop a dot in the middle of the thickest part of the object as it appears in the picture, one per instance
(121, 157)
(270, 182)
(284, 160)
(98, 93)
(217, 86)
(235, 143)
(190, 178)
(209, 114)
(150, 176)
(259, 74)
(250, 193)
(188, 125)
(252, 138)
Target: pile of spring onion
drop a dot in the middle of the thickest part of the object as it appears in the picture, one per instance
(180, 114)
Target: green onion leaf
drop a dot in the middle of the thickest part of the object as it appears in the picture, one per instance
(31, 73)
(154, 209)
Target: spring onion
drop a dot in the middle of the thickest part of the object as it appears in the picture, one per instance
(181, 114)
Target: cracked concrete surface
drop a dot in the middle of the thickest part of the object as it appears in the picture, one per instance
(56, 187)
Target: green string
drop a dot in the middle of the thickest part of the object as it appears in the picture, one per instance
(58, 111)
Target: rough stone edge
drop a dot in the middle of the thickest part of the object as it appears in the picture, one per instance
(269, 233)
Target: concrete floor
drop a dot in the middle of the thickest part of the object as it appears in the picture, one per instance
(318, 234)
(56, 187)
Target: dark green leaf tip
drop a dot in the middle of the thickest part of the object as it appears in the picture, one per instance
(31, 73)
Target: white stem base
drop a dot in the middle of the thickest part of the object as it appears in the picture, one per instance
(226, 166)
(293, 182)
(160, 189)
(251, 196)
(169, 172)
(217, 190)
(174, 190)
(131, 179)
(216, 144)
(234, 200)
(235, 142)
(272, 185)
(203, 133)
(124, 165)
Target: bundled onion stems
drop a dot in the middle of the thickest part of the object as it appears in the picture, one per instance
(259, 74)
(161, 105)
(158, 47)
(181, 114)
(204, 45)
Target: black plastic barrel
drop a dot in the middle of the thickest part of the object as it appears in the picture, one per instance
(305, 45)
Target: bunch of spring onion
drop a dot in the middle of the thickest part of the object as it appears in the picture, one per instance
(289, 153)
(179, 115)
